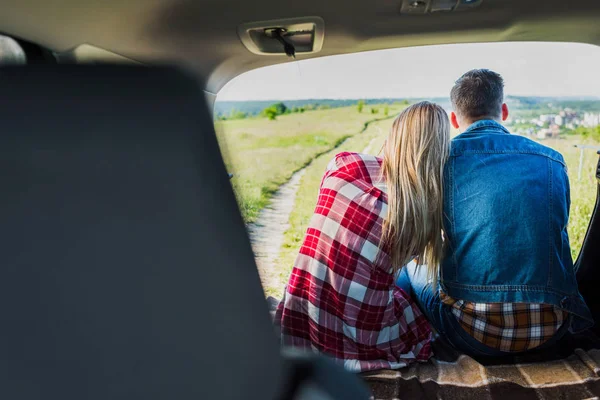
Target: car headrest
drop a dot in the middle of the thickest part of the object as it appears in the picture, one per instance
(125, 269)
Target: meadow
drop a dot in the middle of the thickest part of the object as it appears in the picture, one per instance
(264, 154)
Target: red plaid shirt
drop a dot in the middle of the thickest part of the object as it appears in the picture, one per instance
(341, 299)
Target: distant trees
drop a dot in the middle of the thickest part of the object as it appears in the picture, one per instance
(402, 103)
(275, 110)
(270, 113)
(234, 114)
(360, 105)
(280, 107)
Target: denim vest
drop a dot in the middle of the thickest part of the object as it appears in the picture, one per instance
(506, 209)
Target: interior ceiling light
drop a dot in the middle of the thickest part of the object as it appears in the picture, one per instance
(291, 37)
(416, 7)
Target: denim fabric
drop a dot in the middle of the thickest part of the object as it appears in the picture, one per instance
(413, 280)
(506, 211)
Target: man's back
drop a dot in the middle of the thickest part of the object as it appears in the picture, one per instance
(506, 214)
(506, 283)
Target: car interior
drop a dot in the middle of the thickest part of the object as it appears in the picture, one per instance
(118, 212)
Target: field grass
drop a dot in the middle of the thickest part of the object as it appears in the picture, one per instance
(583, 192)
(264, 154)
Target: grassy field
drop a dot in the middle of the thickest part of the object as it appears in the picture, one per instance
(263, 154)
(583, 192)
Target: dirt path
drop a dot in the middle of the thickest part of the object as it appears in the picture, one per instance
(369, 149)
(266, 235)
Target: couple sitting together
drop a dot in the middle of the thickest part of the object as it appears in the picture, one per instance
(465, 237)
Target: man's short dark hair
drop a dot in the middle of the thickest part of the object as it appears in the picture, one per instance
(478, 94)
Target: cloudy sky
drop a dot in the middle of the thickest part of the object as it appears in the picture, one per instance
(529, 69)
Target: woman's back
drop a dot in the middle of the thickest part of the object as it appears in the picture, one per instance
(341, 299)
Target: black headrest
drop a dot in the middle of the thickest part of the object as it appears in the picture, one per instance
(125, 268)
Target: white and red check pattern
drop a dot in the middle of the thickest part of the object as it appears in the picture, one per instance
(341, 298)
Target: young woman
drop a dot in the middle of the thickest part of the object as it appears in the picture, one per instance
(373, 216)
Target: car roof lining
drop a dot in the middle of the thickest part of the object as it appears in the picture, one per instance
(202, 35)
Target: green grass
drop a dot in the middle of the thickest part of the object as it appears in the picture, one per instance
(264, 154)
(583, 193)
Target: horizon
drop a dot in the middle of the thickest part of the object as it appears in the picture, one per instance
(530, 69)
(573, 97)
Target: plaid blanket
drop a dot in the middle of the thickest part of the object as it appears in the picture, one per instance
(570, 371)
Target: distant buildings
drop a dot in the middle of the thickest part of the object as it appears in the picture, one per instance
(549, 133)
(547, 126)
(558, 120)
(541, 134)
(591, 120)
(544, 119)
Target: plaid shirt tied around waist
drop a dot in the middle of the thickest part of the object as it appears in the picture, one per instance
(509, 327)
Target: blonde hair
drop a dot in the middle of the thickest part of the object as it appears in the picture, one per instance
(413, 166)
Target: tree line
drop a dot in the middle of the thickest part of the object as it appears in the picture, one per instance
(275, 110)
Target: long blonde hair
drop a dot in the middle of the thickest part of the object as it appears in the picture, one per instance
(413, 166)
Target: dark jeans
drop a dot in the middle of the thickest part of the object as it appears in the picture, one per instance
(413, 280)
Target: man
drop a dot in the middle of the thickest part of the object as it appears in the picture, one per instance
(507, 283)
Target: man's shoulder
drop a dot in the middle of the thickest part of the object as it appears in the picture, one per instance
(501, 144)
(550, 152)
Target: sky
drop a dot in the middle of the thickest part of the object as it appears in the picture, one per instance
(529, 69)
